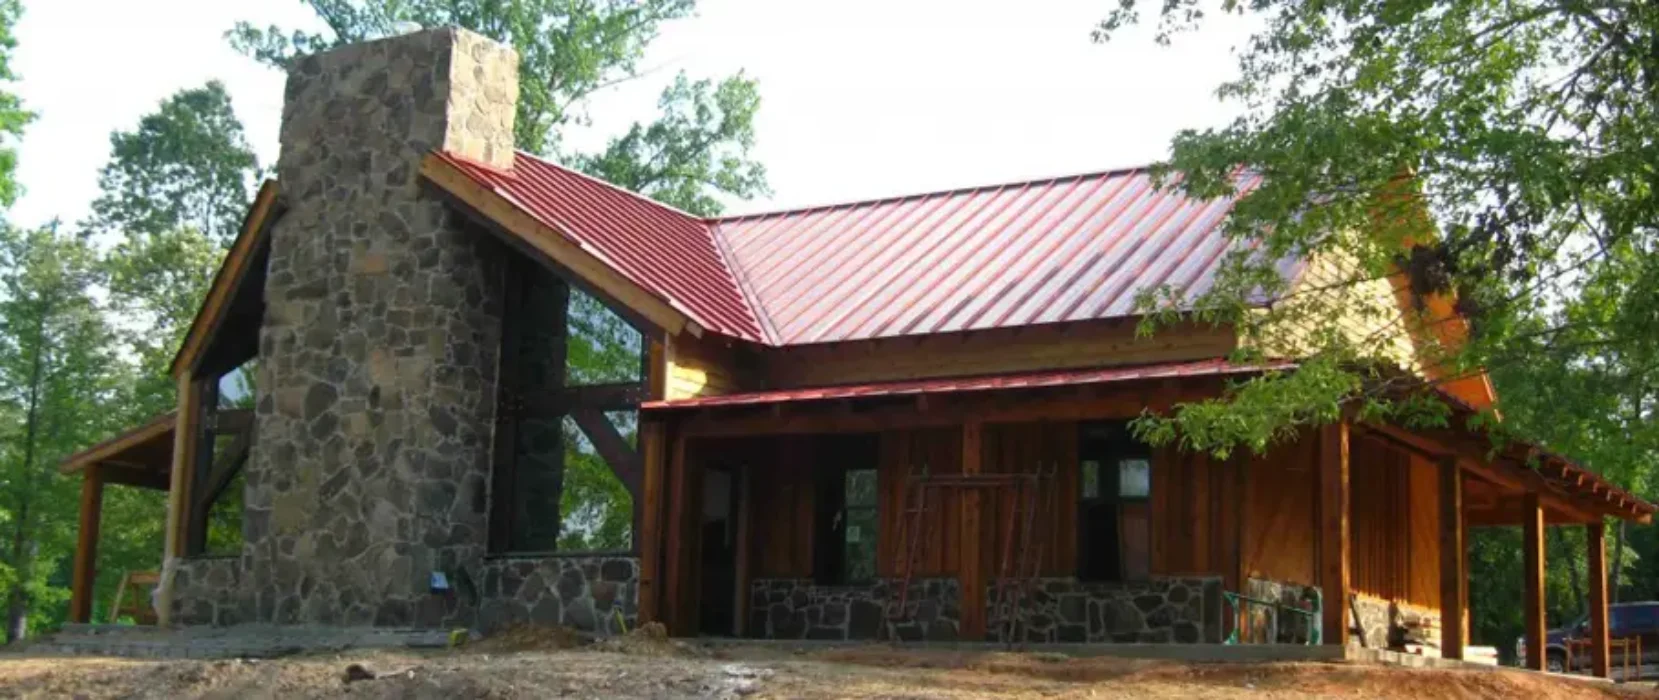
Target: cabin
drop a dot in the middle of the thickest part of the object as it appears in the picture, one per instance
(439, 382)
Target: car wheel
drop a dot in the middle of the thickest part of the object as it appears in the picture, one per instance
(1556, 663)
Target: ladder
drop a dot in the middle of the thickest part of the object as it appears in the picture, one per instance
(1019, 565)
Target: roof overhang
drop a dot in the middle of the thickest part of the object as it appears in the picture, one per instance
(142, 456)
(509, 221)
(243, 259)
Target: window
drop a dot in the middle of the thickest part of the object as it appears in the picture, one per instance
(568, 388)
(1114, 514)
(847, 497)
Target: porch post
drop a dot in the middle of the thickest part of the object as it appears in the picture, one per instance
(654, 451)
(971, 574)
(1532, 550)
(1595, 534)
(86, 547)
(1333, 530)
(1453, 575)
(186, 423)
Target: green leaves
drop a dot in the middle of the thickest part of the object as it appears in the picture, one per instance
(186, 165)
(569, 50)
(700, 145)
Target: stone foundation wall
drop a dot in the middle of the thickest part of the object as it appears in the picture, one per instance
(1394, 624)
(1291, 629)
(802, 609)
(1371, 618)
(1159, 611)
(587, 593)
(207, 591)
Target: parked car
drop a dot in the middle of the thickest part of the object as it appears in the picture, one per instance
(1639, 619)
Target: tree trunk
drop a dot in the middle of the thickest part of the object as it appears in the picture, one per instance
(23, 546)
(1618, 560)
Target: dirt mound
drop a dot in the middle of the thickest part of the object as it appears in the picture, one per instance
(528, 637)
(649, 639)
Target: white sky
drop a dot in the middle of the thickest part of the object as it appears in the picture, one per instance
(860, 98)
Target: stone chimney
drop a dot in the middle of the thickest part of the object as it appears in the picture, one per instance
(377, 354)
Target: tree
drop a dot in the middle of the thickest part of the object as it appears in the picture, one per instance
(1496, 154)
(1525, 129)
(13, 118)
(568, 51)
(187, 165)
(57, 372)
(701, 144)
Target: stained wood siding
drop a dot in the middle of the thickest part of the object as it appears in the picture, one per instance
(1368, 312)
(1280, 524)
(708, 366)
(1396, 536)
(940, 451)
(1024, 448)
(782, 509)
(1196, 515)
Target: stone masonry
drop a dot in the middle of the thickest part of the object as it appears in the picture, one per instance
(590, 593)
(1183, 610)
(802, 609)
(376, 365)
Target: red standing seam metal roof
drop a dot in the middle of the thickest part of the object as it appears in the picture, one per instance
(667, 252)
(1058, 250)
(1032, 380)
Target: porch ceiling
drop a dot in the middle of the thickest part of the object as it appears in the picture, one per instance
(142, 456)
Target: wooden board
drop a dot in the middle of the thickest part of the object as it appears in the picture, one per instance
(1056, 346)
(782, 511)
(1532, 574)
(1280, 530)
(708, 366)
(1453, 561)
(939, 451)
(1334, 540)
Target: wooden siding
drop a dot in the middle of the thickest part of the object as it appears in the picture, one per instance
(939, 450)
(1370, 316)
(1396, 525)
(1058, 346)
(707, 366)
(1016, 448)
(782, 509)
(1280, 524)
(1196, 515)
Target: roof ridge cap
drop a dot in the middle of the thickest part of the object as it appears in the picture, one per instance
(930, 193)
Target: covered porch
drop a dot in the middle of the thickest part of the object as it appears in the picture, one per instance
(763, 479)
(143, 458)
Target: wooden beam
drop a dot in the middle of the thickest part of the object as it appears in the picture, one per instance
(1595, 536)
(1532, 554)
(971, 567)
(622, 457)
(944, 410)
(524, 232)
(677, 564)
(1453, 560)
(267, 207)
(1334, 530)
(1504, 473)
(86, 546)
(653, 445)
(745, 532)
(185, 443)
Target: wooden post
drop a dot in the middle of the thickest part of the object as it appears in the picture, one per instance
(745, 532)
(1333, 530)
(653, 446)
(86, 547)
(186, 429)
(1532, 551)
(1453, 574)
(1595, 534)
(971, 573)
(672, 611)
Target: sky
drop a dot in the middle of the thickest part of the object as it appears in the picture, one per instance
(859, 98)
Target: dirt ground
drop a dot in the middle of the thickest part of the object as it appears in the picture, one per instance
(658, 669)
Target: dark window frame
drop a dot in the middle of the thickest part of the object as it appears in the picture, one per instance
(832, 555)
(557, 403)
(1108, 452)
